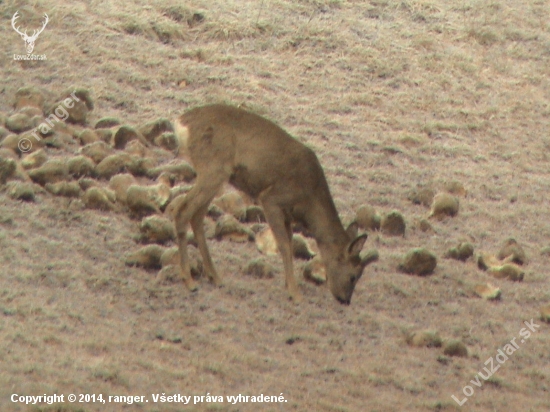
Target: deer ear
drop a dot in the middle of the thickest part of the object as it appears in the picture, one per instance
(352, 230)
(355, 247)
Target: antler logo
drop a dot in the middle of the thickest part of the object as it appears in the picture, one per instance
(29, 40)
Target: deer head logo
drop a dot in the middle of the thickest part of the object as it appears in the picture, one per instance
(29, 40)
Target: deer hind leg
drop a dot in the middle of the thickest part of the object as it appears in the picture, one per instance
(192, 209)
(280, 226)
(197, 223)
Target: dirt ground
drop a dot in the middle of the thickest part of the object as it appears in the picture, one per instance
(390, 95)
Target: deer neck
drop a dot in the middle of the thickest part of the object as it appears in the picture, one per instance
(324, 224)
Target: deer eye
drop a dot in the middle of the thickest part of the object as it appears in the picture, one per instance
(353, 278)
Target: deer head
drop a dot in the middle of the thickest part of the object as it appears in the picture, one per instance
(29, 40)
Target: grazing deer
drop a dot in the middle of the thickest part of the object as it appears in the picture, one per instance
(229, 144)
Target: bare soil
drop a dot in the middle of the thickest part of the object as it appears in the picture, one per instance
(390, 95)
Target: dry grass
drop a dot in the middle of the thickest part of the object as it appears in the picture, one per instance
(390, 94)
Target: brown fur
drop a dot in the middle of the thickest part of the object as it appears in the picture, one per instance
(228, 144)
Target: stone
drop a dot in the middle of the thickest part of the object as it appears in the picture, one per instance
(140, 166)
(461, 252)
(182, 171)
(77, 114)
(112, 165)
(81, 166)
(169, 275)
(29, 96)
(486, 260)
(369, 256)
(315, 271)
(6, 153)
(512, 251)
(97, 198)
(367, 218)
(215, 212)
(259, 269)
(487, 291)
(425, 226)
(21, 191)
(232, 203)
(510, 271)
(155, 128)
(85, 183)
(34, 160)
(105, 135)
(147, 257)
(120, 184)
(300, 247)
(228, 227)
(422, 196)
(424, 339)
(265, 242)
(161, 194)
(52, 171)
(88, 136)
(3, 133)
(393, 224)
(178, 190)
(443, 205)
(107, 122)
(170, 257)
(19, 123)
(22, 143)
(157, 229)
(58, 140)
(456, 188)
(418, 261)
(80, 100)
(141, 201)
(125, 134)
(66, 189)
(454, 347)
(136, 148)
(254, 214)
(97, 151)
(33, 112)
(166, 179)
(167, 141)
(8, 168)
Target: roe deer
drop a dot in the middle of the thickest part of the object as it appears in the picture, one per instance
(229, 144)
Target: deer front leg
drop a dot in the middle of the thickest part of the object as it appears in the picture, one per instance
(283, 235)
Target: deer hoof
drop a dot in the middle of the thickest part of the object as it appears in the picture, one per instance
(191, 284)
(216, 280)
(296, 297)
